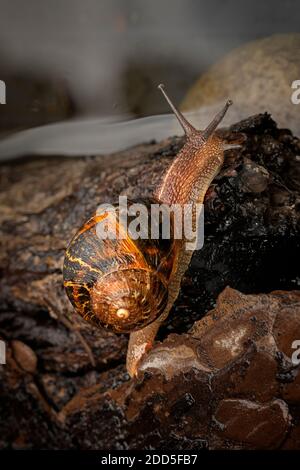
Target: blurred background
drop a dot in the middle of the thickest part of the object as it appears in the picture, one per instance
(66, 58)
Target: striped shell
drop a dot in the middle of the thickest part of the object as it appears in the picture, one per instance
(119, 284)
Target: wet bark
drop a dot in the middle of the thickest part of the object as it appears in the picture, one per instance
(219, 379)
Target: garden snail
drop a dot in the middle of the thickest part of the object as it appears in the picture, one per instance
(129, 285)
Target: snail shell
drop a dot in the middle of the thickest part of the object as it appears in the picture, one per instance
(119, 284)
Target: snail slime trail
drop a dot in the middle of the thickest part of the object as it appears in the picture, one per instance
(129, 285)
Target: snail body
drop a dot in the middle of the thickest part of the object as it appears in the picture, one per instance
(129, 285)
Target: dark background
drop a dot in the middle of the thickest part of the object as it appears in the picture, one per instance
(111, 53)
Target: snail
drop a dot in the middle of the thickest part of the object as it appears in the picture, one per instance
(129, 285)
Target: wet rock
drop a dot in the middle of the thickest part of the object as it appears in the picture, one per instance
(253, 178)
(24, 356)
(184, 388)
(260, 426)
(291, 390)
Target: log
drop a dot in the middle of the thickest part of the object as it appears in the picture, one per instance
(221, 374)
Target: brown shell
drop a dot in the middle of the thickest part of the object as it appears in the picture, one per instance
(106, 277)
